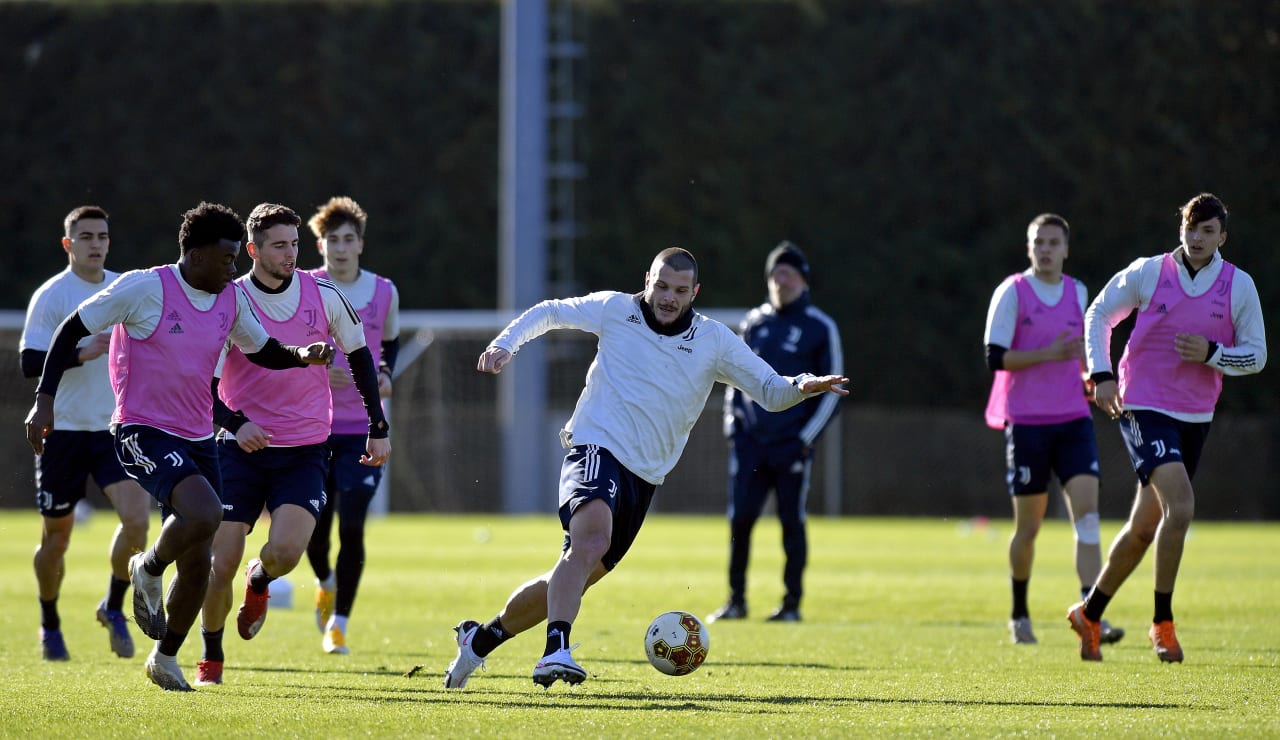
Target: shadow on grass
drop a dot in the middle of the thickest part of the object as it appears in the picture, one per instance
(497, 697)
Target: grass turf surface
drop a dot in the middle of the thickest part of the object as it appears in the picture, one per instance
(903, 635)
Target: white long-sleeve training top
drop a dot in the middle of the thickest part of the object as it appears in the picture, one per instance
(1131, 289)
(644, 391)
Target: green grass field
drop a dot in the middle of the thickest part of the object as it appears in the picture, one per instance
(904, 635)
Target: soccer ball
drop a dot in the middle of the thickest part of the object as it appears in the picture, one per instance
(676, 643)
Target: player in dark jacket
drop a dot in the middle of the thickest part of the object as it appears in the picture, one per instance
(774, 451)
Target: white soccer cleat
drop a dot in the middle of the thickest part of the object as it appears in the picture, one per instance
(1020, 631)
(456, 675)
(148, 599)
(163, 670)
(558, 666)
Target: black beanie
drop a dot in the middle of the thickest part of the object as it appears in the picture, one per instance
(788, 254)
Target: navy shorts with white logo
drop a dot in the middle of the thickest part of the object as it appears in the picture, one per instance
(268, 478)
(1153, 439)
(591, 472)
(1033, 451)
(69, 458)
(159, 460)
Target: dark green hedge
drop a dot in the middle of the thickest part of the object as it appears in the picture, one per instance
(905, 145)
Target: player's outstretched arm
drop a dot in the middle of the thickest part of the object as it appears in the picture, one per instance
(492, 360)
(276, 356)
(825, 383)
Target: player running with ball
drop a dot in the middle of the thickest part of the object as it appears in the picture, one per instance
(656, 363)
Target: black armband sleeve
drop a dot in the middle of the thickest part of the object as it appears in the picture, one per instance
(32, 361)
(223, 416)
(995, 357)
(390, 351)
(276, 356)
(1102, 377)
(366, 378)
(62, 353)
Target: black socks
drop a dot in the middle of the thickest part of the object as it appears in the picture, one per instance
(557, 636)
(489, 637)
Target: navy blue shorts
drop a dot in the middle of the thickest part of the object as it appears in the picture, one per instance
(159, 460)
(268, 478)
(345, 471)
(1153, 439)
(1033, 451)
(591, 472)
(69, 458)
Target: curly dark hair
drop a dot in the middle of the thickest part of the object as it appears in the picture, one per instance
(209, 223)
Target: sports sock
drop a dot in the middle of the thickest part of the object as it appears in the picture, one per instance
(338, 621)
(1096, 604)
(1019, 598)
(49, 618)
(260, 579)
(212, 646)
(115, 593)
(1084, 592)
(328, 583)
(172, 642)
(489, 637)
(557, 637)
(153, 564)
(1164, 607)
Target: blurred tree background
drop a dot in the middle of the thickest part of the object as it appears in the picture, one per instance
(903, 144)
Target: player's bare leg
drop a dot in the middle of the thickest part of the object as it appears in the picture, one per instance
(1177, 504)
(1177, 507)
(133, 506)
(1028, 514)
(291, 528)
(590, 531)
(50, 556)
(1081, 494)
(1131, 544)
(50, 567)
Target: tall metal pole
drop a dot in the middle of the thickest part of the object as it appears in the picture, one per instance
(522, 397)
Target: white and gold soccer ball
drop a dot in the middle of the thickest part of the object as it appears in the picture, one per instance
(676, 643)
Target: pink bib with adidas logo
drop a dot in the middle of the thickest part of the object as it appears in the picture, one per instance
(1152, 374)
(292, 405)
(163, 380)
(1050, 392)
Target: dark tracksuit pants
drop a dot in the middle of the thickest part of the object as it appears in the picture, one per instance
(757, 469)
